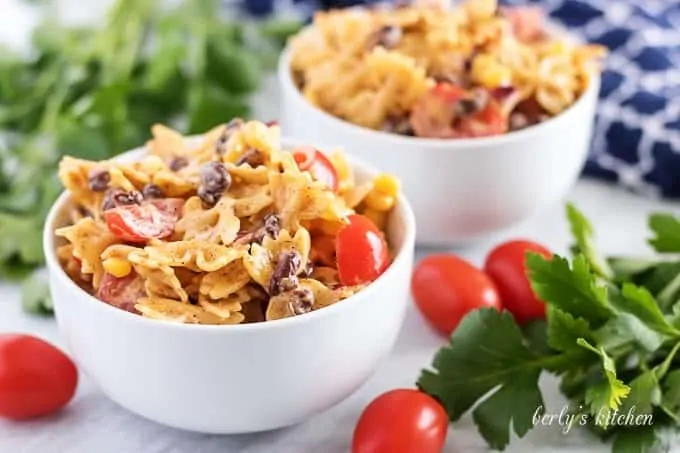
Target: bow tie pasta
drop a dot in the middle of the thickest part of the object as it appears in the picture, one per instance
(227, 230)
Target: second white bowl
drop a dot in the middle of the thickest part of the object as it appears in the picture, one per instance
(461, 189)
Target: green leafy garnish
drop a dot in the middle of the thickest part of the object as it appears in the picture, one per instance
(487, 353)
(582, 231)
(666, 229)
(611, 335)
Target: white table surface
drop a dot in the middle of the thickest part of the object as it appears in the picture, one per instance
(93, 424)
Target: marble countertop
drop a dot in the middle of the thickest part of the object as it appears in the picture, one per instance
(92, 423)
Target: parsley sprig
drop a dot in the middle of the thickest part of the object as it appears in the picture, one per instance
(611, 335)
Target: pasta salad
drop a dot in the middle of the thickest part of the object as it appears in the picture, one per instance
(227, 229)
(428, 71)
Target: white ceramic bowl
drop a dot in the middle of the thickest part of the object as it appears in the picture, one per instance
(461, 189)
(240, 378)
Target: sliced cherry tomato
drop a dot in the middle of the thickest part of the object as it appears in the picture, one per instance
(506, 265)
(361, 251)
(446, 288)
(401, 421)
(121, 292)
(35, 377)
(138, 223)
(314, 161)
(489, 121)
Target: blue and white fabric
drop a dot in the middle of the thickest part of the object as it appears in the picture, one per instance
(637, 135)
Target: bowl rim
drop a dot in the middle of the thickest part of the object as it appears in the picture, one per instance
(401, 258)
(290, 91)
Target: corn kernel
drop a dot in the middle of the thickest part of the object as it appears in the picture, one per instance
(117, 267)
(386, 184)
(378, 201)
(378, 217)
(487, 71)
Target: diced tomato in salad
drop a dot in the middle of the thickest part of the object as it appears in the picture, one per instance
(315, 162)
(435, 116)
(154, 219)
(121, 292)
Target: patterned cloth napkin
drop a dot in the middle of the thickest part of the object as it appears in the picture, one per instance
(637, 134)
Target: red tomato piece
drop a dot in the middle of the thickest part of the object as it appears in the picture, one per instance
(506, 265)
(446, 288)
(401, 421)
(121, 292)
(361, 251)
(36, 378)
(449, 92)
(489, 121)
(315, 162)
(138, 223)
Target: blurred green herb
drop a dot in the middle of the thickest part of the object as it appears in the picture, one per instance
(94, 92)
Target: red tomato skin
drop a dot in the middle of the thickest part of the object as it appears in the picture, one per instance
(449, 91)
(361, 251)
(128, 222)
(506, 265)
(122, 292)
(401, 421)
(446, 287)
(36, 378)
(314, 161)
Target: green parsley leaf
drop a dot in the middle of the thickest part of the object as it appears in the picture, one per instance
(564, 330)
(666, 229)
(638, 440)
(671, 392)
(627, 269)
(608, 394)
(582, 231)
(645, 393)
(625, 331)
(535, 335)
(640, 303)
(35, 295)
(487, 352)
(573, 290)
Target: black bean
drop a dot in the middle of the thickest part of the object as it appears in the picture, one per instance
(472, 104)
(302, 301)
(284, 277)
(119, 197)
(98, 180)
(388, 37)
(253, 157)
(272, 226)
(150, 191)
(215, 180)
(208, 198)
(231, 127)
(398, 125)
(178, 163)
